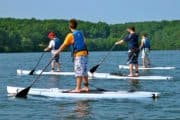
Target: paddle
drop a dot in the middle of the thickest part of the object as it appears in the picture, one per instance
(32, 71)
(23, 93)
(97, 88)
(94, 68)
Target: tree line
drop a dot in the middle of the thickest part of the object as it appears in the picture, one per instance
(30, 35)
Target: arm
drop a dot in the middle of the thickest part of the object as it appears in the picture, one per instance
(119, 42)
(61, 48)
(126, 38)
(49, 46)
(68, 41)
(47, 49)
(141, 45)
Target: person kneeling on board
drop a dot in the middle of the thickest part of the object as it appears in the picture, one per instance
(54, 44)
(145, 48)
(80, 53)
(132, 40)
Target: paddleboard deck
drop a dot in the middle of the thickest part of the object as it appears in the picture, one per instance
(93, 94)
(37, 72)
(96, 75)
(148, 68)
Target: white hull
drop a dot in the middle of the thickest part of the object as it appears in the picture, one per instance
(96, 75)
(148, 68)
(58, 93)
(109, 76)
(26, 72)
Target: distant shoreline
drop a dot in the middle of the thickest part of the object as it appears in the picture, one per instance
(89, 51)
(31, 35)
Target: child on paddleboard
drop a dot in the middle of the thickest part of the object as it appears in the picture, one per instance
(80, 53)
(145, 48)
(54, 44)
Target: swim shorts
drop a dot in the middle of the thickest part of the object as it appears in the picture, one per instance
(80, 66)
(133, 56)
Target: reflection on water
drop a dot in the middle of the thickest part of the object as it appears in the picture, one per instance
(134, 84)
(81, 109)
(53, 82)
(76, 110)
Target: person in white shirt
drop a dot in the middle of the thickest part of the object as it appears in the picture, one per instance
(145, 48)
(54, 44)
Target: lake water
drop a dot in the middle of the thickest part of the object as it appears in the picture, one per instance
(166, 107)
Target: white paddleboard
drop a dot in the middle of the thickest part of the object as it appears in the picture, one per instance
(59, 93)
(148, 68)
(110, 76)
(96, 75)
(37, 72)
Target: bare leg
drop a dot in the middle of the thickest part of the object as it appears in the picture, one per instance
(136, 69)
(78, 85)
(130, 70)
(86, 88)
(58, 64)
(148, 61)
(143, 62)
(52, 65)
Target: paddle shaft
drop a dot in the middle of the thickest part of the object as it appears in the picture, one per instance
(42, 72)
(94, 68)
(23, 93)
(39, 60)
(32, 71)
(108, 53)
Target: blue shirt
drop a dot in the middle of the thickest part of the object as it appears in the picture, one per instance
(146, 43)
(132, 40)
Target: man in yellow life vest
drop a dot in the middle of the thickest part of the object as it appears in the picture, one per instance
(77, 41)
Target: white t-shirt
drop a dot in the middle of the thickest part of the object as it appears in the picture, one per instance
(143, 40)
(52, 45)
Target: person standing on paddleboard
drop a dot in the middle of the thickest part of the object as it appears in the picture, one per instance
(132, 40)
(80, 53)
(145, 48)
(54, 44)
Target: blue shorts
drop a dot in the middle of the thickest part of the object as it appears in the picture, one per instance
(80, 66)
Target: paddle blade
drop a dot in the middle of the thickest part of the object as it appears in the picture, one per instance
(100, 89)
(93, 69)
(32, 71)
(23, 93)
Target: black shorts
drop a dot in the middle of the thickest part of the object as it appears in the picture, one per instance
(133, 56)
(56, 59)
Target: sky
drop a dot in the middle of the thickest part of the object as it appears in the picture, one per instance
(109, 11)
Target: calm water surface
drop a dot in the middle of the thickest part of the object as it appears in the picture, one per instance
(167, 107)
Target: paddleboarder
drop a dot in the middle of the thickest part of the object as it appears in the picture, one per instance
(132, 40)
(54, 44)
(145, 48)
(80, 53)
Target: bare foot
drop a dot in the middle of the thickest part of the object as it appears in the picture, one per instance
(130, 75)
(75, 91)
(136, 75)
(85, 89)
